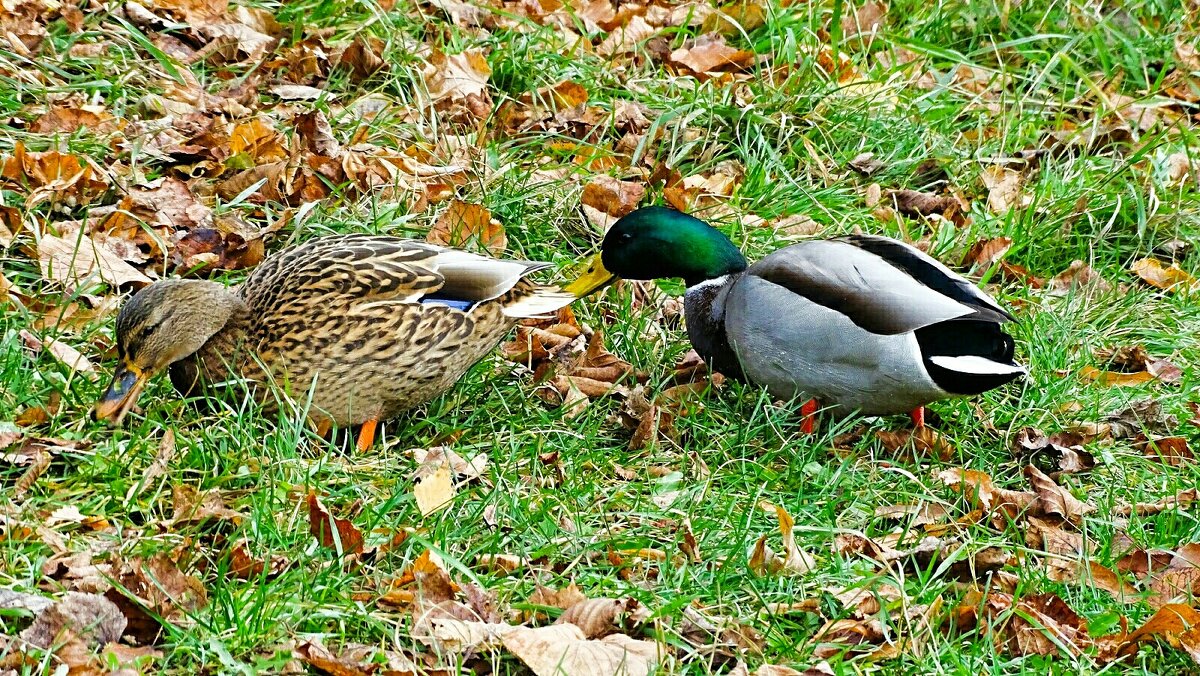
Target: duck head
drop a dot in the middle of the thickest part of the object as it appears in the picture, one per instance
(158, 326)
(659, 243)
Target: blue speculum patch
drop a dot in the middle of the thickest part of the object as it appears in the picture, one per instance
(463, 305)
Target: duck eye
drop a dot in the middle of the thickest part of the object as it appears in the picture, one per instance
(626, 236)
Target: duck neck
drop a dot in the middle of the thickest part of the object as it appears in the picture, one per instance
(704, 310)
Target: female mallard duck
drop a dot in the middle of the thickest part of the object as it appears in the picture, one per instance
(859, 323)
(371, 325)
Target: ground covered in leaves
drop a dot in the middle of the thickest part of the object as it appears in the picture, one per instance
(589, 500)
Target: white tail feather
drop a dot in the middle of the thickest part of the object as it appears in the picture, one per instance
(539, 303)
(973, 365)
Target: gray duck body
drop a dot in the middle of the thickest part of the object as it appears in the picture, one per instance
(864, 324)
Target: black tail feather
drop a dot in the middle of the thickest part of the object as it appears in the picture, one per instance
(961, 338)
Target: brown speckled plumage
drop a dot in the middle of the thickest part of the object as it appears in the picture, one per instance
(341, 315)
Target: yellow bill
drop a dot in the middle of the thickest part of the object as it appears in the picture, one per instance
(593, 280)
(122, 393)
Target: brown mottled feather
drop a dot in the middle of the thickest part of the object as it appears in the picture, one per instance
(343, 316)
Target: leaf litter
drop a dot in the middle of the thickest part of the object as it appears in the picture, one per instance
(239, 150)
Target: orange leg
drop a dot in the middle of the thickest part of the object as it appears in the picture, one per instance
(323, 428)
(918, 417)
(366, 435)
(809, 411)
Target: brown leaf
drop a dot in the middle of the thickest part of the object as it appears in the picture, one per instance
(985, 253)
(1167, 277)
(192, 508)
(244, 565)
(914, 203)
(1004, 188)
(736, 18)
(1141, 562)
(65, 354)
(627, 38)
(338, 534)
(1175, 622)
(979, 487)
(1061, 452)
(611, 196)
(865, 22)
(1079, 277)
(764, 561)
(425, 584)
(1033, 625)
(52, 175)
(88, 617)
(154, 591)
(1165, 371)
(257, 140)
(563, 649)
(70, 120)
(836, 635)
(433, 484)
(1054, 500)
(1134, 358)
(925, 440)
(1173, 451)
(73, 263)
(354, 659)
(1125, 358)
(457, 84)
(466, 225)
(1181, 500)
(709, 54)
(1114, 378)
(562, 599)
(598, 618)
(1180, 580)
(718, 638)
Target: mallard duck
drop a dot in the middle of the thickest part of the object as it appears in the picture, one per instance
(859, 323)
(371, 325)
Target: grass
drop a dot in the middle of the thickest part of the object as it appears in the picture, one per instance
(792, 129)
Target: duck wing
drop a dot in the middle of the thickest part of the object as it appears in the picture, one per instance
(883, 286)
(377, 268)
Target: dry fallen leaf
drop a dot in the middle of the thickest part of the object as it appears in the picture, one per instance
(1033, 625)
(466, 225)
(563, 649)
(433, 485)
(73, 263)
(1167, 277)
(764, 561)
(1004, 189)
(611, 196)
(1177, 623)
(353, 659)
(67, 355)
(708, 54)
(1181, 500)
(1114, 378)
(457, 84)
(89, 617)
(1057, 453)
(1173, 451)
(1079, 277)
(925, 440)
(598, 618)
(153, 591)
(338, 534)
(1054, 500)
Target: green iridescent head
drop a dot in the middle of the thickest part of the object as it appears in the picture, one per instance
(660, 243)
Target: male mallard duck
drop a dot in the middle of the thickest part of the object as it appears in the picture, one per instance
(860, 323)
(373, 325)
